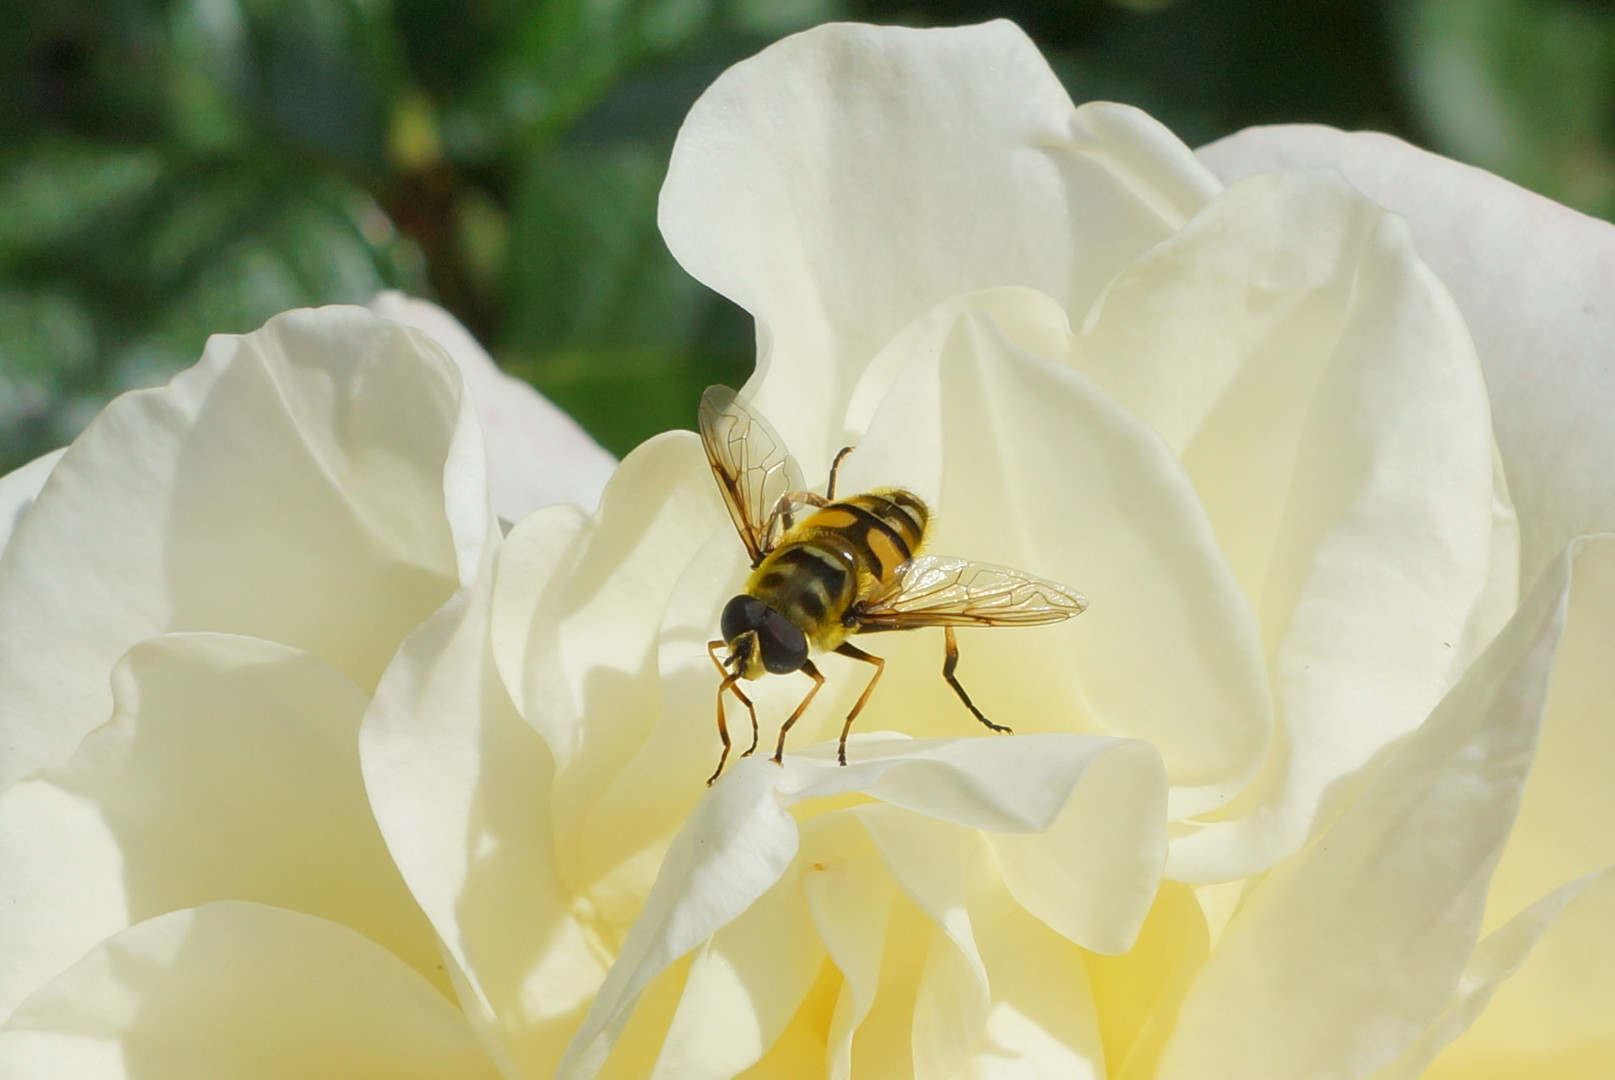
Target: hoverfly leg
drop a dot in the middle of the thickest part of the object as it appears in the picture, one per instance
(818, 680)
(712, 651)
(950, 660)
(723, 727)
(723, 730)
(835, 467)
(846, 648)
(783, 516)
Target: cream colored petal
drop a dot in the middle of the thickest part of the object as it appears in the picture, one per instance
(1000, 993)
(1041, 1021)
(884, 1044)
(230, 769)
(850, 894)
(740, 839)
(1075, 875)
(533, 566)
(291, 486)
(1566, 827)
(744, 986)
(934, 864)
(1028, 464)
(732, 849)
(1381, 548)
(240, 990)
(537, 455)
(1536, 284)
(461, 789)
(1552, 1018)
(587, 600)
(847, 179)
(18, 490)
(1138, 993)
(1339, 957)
(1562, 833)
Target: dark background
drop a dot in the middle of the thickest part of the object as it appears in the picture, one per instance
(170, 170)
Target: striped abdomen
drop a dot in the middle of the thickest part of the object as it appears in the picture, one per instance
(835, 555)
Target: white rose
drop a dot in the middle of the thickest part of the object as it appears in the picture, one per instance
(196, 600)
(1249, 423)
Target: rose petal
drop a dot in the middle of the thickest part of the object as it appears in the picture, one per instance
(740, 838)
(850, 894)
(291, 486)
(537, 455)
(1549, 1019)
(588, 668)
(847, 179)
(1041, 1019)
(235, 989)
(933, 864)
(1338, 959)
(1138, 992)
(461, 789)
(1536, 284)
(1566, 827)
(18, 490)
(1038, 469)
(229, 770)
(1315, 457)
(743, 987)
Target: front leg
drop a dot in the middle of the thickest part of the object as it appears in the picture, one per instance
(728, 683)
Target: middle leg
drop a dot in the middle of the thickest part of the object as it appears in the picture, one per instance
(810, 669)
(847, 648)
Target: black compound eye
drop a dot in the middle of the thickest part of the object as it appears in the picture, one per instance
(784, 646)
(741, 614)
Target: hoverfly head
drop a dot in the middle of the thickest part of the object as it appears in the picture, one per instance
(760, 639)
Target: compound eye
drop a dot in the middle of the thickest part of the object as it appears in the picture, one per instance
(784, 646)
(741, 614)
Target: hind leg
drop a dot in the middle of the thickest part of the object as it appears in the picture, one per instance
(950, 660)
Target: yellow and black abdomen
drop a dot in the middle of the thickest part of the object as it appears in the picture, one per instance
(884, 528)
(842, 552)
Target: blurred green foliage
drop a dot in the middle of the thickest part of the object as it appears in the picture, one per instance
(173, 168)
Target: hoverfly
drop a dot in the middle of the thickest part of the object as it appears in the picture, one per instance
(826, 568)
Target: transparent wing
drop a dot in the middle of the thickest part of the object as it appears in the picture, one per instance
(935, 591)
(755, 472)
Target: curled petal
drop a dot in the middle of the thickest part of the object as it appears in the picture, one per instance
(1536, 284)
(1566, 827)
(461, 789)
(315, 483)
(741, 839)
(1535, 999)
(1339, 957)
(1027, 463)
(847, 179)
(537, 455)
(1374, 586)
